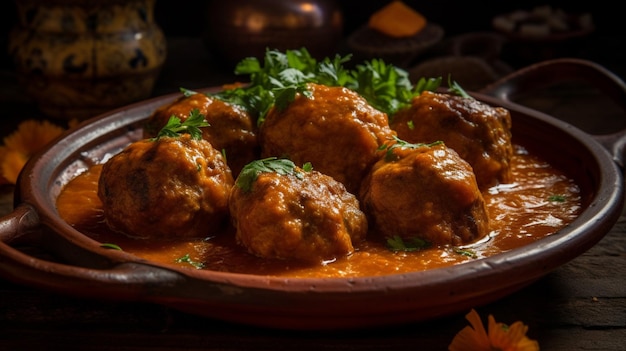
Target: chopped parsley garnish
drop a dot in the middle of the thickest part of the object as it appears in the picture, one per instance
(191, 125)
(280, 76)
(307, 167)
(187, 92)
(282, 166)
(386, 87)
(424, 84)
(389, 155)
(111, 246)
(557, 198)
(455, 87)
(396, 243)
(465, 252)
(187, 259)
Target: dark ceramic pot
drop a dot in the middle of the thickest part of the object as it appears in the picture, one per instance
(82, 267)
(235, 30)
(77, 59)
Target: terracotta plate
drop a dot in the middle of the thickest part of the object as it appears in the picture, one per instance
(75, 264)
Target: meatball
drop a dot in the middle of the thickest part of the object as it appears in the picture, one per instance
(170, 187)
(231, 128)
(426, 192)
(302, 215)
(335, 129)
(479, 133)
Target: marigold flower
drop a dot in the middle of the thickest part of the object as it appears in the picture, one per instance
(30, 137)
(498, 337)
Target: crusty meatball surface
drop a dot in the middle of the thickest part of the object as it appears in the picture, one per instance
(231, 128)
(166, 188)
(305, 216)
(335, 129)
(426, 192)
(479, 133)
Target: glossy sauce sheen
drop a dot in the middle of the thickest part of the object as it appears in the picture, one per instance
(539, 202)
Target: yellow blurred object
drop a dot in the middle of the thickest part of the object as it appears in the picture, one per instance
(397, 20)
(30, 137)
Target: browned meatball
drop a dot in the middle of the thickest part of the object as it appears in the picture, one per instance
(301, 215)
(335, 129)
(230, 128)
(478, 132)
(425, 192)
(166, 188)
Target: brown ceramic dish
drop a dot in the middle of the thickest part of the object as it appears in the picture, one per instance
(67, 261)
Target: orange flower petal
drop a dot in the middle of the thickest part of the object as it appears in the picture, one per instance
(32, 136)
(12, 164)
(510, 338)
(471, 338)
(499, 336)
(3, 152)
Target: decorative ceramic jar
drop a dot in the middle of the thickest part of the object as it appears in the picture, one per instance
(243, 28)
(80, 58)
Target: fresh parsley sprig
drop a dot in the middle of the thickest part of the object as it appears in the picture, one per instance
(280, 76)
(191, 125)
(282, 166)
(384, 86)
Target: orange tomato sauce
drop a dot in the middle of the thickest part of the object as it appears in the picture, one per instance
(538, 203)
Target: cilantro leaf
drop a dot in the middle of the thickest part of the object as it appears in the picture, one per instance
(556, 198)
(276, 80)
(251, 171)
(465, 252)
(187, 92)
(423, 84)
(187, 259)
(111, 246)
(455, 87)
(174, 127)
(396, 243)
(399, 143)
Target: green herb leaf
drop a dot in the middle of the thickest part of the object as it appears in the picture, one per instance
(187, 92)
(390, 156)
(110, 246)
(187, 259)
(251, 171)
(174, 127)
(396, 243)
(423, 84)
(556, 198)
(455, 88)
(333, 73)
(465, 252)
(275, 82)
(384, 86)
(307, 167)
(282, 75)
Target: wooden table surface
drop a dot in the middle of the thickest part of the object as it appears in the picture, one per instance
(579, 306)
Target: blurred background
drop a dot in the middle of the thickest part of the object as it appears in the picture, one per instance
(197, 33)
